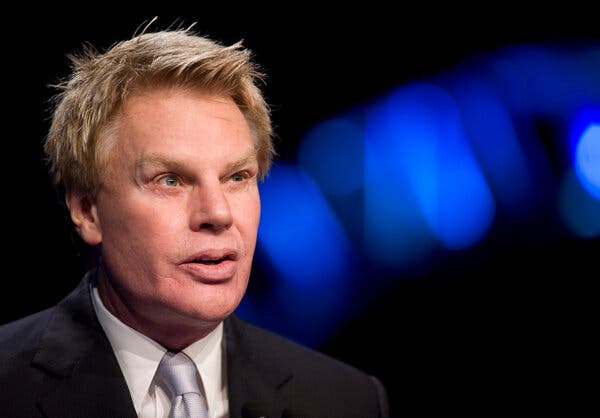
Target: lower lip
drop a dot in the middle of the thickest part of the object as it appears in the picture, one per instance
(211, 273)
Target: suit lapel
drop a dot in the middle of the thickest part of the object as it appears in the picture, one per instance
(251, 375)
(85, 376)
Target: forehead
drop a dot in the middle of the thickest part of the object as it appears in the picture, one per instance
(182, 121)
(174, 104)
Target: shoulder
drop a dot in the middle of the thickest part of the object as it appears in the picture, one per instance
(24, 334)
(286, 351)
(318, 379)
(19, 335)
(19, 340)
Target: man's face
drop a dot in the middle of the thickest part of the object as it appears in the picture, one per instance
(178, 209)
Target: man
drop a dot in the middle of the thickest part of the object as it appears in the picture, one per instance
(158, 145)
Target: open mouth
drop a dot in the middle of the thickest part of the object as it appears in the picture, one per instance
(210, 261)
(212, 266)
(212, 258)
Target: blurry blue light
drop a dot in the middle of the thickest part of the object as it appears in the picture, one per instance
(585, 148)
(416, 150)
(332, 152)
(299, 232)
(580, 211)
(396, 233)
(587, 163)
(491, 132)
(303, 241)
(537, 79)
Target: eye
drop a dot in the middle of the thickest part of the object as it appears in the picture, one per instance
(238, 177)
(169, 180)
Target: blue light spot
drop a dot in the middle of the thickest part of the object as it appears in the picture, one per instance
(492, 134)
(537, 79)
(332, 152)
(302, 240)
(417, 148)
(580, 211)
(587, 160)
(300, 233)
(396, 233)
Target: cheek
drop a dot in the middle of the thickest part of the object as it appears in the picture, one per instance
(137, 230)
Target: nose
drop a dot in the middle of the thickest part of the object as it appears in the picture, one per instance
(210, 208)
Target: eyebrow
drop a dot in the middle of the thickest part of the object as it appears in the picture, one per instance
(159, 160)
(249, 158)
(171, 164)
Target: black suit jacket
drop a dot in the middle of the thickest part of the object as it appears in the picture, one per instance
(59, 363)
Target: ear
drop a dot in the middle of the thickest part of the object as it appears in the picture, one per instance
(84, 215)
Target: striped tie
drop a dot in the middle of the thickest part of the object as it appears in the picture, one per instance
(178, 376)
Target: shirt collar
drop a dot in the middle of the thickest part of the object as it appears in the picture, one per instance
(139, 356)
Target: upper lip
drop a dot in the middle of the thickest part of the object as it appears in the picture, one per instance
(212, 255)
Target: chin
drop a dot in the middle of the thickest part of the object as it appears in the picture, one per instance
(209, 311)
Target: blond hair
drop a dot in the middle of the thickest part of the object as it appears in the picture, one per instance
(79, 140)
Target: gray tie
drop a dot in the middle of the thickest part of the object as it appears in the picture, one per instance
(177, 375)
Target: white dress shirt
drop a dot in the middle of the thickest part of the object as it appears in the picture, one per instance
(139, 356)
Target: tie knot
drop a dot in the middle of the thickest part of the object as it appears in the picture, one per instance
(177, 374)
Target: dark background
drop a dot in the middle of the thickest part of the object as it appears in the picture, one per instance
(488, 329)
